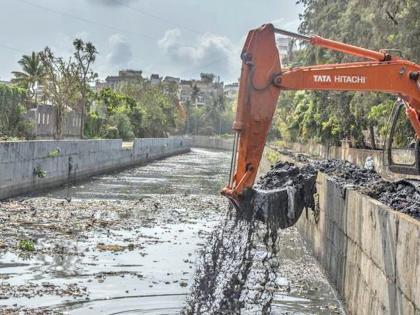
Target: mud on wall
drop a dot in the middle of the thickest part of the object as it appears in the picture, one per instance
(356, 156)
(369, 252)
(32, 165)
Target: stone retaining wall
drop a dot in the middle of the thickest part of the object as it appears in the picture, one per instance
(22, 164)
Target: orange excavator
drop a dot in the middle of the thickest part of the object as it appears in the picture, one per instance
(262, 79)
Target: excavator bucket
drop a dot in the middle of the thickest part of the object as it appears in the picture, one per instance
(281, 195)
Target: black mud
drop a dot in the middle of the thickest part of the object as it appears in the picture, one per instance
(235, 273)
(239, 266)
(281, 195)
(403, 195)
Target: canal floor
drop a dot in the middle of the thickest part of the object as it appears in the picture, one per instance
(128, 243)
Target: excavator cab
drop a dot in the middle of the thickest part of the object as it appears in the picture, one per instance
(402, 147)
(263, 78)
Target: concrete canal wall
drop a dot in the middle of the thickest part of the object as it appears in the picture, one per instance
(33, 165)
(208, 142)
(369, 252)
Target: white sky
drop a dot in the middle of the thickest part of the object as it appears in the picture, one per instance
(171, 37)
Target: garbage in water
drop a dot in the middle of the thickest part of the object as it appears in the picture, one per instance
(128, 243)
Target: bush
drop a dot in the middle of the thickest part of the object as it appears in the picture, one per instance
(122, 122)
(26, 245)
(12, 122)
(110, 132)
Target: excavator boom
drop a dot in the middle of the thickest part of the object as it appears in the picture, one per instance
(262, 79)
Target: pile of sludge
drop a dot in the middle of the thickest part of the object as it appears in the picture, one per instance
(237, 269)
(402, 195)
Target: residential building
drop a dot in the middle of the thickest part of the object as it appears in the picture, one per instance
(170, 85)
(123, 77)
(155, 79)
(231, 91)
(185, 91)
(283, 46)
(169, 79)
(204, 89)
(43, 119)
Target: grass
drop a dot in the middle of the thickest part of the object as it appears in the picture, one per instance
(26, 245)
(54, 153)
(39, 172)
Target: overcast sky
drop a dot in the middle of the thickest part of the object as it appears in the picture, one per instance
(170, 37)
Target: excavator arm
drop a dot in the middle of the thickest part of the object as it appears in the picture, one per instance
(262, 79)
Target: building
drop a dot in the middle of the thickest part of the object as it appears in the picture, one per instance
(283, 46)
(200, 92)
(169, 79)
(155, 79)
(231, 91)
(123, 77)
(185, 91)
(43, 119)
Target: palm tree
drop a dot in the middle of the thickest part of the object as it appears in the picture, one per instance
(32, 74)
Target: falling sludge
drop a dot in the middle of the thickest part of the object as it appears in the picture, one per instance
(237, 267)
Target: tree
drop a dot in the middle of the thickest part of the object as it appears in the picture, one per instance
(214, 112)
(85, 56)
(32, 74)
(160, 113)
(208, 77)
(12, 123)
(62, 87)
(113, 116)
(328, 117)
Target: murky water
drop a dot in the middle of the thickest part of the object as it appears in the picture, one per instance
(127, 244)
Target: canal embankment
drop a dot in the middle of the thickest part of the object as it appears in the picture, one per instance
(212, 142)
(368, 250)
(28, 166)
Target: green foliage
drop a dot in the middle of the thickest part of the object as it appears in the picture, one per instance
(12, 122)
(133, 111)
(54, 153)
(63, 85)
(122, 123)
(215, 117)
(328, 117)
(39, 172)
(33, 74)
(85, 55)
(110, 132)
(26, 245)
